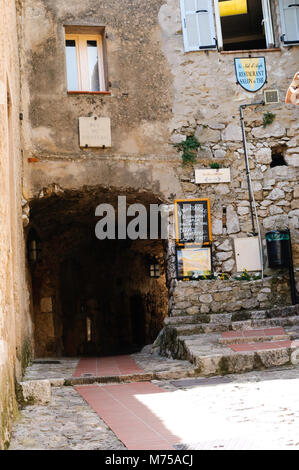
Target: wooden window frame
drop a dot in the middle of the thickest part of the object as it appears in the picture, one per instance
(267, 22)
(82, 62)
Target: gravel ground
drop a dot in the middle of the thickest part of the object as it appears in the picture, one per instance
(68, 423)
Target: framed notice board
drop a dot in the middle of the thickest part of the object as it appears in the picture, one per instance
(193, 262)
(193, 221)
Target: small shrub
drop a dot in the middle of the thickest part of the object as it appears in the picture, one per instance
(268, 118)
(189, 148)
(214, 166)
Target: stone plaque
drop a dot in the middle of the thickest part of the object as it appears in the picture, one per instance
(209, 175)
(94, 132)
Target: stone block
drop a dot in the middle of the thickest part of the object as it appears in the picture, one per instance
(192, 310)
(205, 134)
(217, 227)
(264, 155)
(232, 133)
(178, 138)
(225, 246)
(223, 256)
(220, 153)
(292, 160)
(227, 266)
(296, 192)
(36, 392)
(232, 220)
(274, 210)
(275, 222)
(274, 357)
(274, 130)
(276, 194)
(206, 298)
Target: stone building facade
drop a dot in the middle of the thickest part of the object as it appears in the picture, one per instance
(156, 94)
(16, 330)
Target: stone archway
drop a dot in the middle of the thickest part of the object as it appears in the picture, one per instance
(93, 297)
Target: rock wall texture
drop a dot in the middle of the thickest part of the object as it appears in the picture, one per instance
(159, 95)
(15, 325)
(215, 296)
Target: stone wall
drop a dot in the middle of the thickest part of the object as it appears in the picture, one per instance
(160, 95)
(15, 324)
(215, 296)
(275, 188)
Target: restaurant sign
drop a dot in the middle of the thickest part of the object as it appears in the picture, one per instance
(251, 73)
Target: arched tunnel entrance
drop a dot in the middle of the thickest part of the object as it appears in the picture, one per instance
(91, 296)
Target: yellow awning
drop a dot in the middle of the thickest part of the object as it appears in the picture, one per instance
(233, 7)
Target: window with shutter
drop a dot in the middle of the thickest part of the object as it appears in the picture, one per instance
(289, 14)
(245, 24)
(84, 60)
(198, 25)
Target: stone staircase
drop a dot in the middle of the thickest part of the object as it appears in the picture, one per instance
(223, 343)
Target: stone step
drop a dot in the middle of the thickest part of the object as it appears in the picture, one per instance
(211, 357)
(254, 336)
(214, 327)
(253, 339)
(287, 311)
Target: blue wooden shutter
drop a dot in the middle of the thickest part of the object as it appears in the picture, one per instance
(289, 14)
(198, 25)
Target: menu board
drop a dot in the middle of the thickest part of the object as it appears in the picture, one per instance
(193, 221)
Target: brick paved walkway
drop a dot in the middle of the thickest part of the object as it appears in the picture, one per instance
(107, 366)
(133, 423)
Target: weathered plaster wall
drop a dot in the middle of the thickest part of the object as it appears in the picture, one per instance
(15, 326)
(140, 100)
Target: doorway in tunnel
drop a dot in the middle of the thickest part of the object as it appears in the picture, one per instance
(93, 297)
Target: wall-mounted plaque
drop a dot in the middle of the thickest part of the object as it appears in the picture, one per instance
(251, 73)
(94, 132)
(193, 221)
(209, 175)
(193, 262)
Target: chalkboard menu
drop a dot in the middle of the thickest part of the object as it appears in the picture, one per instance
(193, 221)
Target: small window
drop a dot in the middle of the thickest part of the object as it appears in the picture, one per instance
(85, 63)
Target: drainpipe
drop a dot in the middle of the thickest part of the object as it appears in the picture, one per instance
(253, 211)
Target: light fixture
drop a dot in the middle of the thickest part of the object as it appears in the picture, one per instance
(34, 248)
(154, 269)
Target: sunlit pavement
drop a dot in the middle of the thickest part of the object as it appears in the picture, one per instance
(255, 411)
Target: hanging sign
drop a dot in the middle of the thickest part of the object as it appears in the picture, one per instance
(251, 73)
(193, 221)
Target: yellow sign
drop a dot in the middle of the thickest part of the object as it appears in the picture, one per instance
(196, 260)
(193, 262)
(233, 7)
